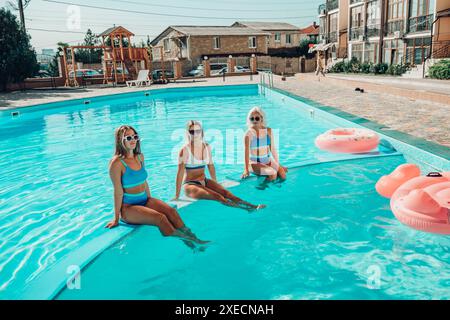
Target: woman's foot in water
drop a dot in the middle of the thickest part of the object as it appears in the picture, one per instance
(185, 237)
(256, 207)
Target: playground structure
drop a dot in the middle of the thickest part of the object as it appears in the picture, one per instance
(120, 61)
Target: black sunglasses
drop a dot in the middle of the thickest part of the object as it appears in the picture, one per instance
(255, 118)
(192, 132)
(133, 137)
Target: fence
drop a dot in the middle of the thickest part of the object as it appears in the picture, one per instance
(286, 66)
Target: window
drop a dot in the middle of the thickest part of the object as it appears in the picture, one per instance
(277, 36)
(166, 44)
(421, 7)
(333, 22)
(252, 42)
(288, 39)
(371, 53)
(357, 51)
(216, 43)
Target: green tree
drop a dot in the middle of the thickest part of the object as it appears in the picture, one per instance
(17, 57)
(53, 68)
(89, 55)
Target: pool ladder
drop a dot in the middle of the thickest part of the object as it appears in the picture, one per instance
(265, 81)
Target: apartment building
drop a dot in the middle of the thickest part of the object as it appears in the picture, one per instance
(390, 31)
(333, 22)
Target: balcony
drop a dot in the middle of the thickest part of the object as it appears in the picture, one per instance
(394, 26)
(332, 36)
(332, 4)
(421, 23)
(373, 31)
(355, 1)
(355, 33)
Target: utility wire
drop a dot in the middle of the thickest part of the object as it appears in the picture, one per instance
(203, 8)
(171, 15)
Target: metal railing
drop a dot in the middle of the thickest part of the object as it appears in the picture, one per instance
(355, 33)
(421, 23)
(393, 26)
(265, 80)
(332, 4)
(373, 30)
(332, 36)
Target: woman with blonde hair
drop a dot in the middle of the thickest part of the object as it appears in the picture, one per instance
(260, 151)
(133, 202)
(194, 156)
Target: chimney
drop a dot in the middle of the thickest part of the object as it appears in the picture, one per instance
(314, 24)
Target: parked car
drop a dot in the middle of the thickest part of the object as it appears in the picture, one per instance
(86, 73)
(242, 69)
(237, 69)
(43, 74)
(196, 72)
(157, 75)
(216, 68)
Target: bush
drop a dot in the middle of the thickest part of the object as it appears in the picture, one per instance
(440, 70)
(338, 67)
(397, 69)
(366, 67)
(379, 68)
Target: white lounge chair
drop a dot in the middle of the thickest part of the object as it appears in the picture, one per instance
(142, 79)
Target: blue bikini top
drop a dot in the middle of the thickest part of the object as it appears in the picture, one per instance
(132, 178)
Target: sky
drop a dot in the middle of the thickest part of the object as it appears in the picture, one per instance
(52, 21)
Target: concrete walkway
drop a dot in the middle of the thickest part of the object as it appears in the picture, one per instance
(400, 104)
(421, 118)
(424, 85)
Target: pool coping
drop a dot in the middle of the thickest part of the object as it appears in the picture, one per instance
(75, 101)
(428, 146)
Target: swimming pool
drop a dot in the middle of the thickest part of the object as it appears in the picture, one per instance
(325, 233)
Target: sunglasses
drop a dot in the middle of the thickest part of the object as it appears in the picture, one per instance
(255, 118)
(195, 132)
(133, 137)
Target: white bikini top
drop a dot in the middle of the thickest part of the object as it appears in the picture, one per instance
(193, 162)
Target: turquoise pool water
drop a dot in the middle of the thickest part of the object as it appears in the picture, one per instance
(56, 198)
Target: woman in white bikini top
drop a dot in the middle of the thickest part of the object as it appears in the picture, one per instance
(193, 158)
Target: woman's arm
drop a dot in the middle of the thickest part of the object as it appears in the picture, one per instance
(246, 155)
(115, 175)
(211, 168)
(180, 174)
(147, 188)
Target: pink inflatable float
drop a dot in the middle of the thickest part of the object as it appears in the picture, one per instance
(348, 140)
(421, 202)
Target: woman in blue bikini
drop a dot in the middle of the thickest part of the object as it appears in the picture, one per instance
(261, 155)
(132, 200)
(194, 157)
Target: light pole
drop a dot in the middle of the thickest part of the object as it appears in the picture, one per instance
(22, 16)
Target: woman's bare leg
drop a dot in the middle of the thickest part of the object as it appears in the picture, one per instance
(173, 216)
(215, 186)
(200, 192)
(145, 216)
(167, 210)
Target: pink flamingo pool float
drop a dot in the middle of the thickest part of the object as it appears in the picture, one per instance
(421, 202)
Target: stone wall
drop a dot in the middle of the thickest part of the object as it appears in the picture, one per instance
(234, 45)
